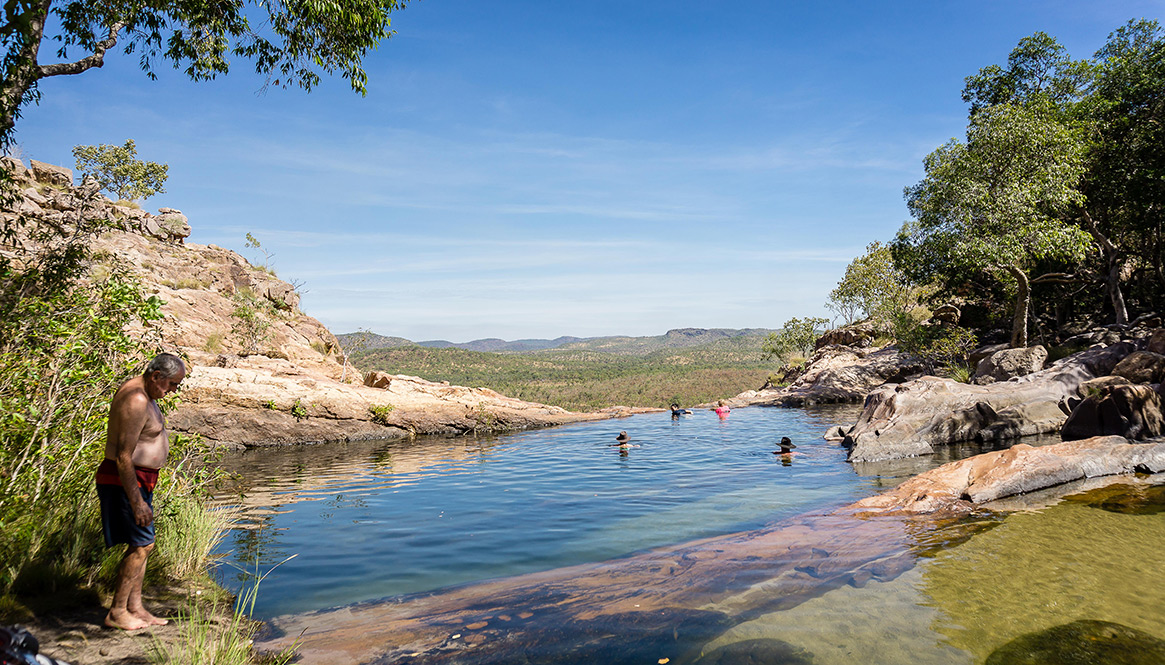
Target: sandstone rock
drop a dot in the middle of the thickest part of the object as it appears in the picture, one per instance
(959, 486)
(1142, 367)
(173, 225)
(913, 417)
(858, 335)
(377, 380)
(52, 174)
(976, 356)
(1157, 342)
(1010, 363)
(838, 374)
(15, 168)
(31, 194)
(948, 314)
(1083, 641)
(1131, 411)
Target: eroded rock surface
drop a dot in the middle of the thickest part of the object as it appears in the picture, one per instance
(837, 374)
(911, 418)
(957, 487)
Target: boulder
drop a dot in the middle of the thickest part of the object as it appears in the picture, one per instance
(1083, 641)
(913, 417)
(858, 335)
(378, 380)
(15, 168)
(1131, 411)
(1157, 341)
(947, 314)
(958, 486)
(52, 174)
(172, 225)
(1142, 367)
(1010, 363)
(984, 351)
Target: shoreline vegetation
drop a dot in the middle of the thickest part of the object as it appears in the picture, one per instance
(1052, 205)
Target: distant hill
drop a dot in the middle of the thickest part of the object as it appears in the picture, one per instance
(681, 365)
(672, 339)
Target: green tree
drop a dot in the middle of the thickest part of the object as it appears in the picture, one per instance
(118, 170)
(993, 205)
(796, 336)
(872, 287)
(1125, 182)
(291, 42)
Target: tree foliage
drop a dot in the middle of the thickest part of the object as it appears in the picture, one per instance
(796, 337)
(872, 288)
(292, 42)
(995, 204)
(118, 170)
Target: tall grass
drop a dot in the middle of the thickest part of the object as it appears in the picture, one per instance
(208, 641)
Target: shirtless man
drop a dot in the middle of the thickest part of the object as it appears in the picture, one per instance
(136, 446)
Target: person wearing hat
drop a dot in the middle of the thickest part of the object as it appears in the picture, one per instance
(786, 445)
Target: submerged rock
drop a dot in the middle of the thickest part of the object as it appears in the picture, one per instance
(1085, 642)
(757, 652)
(1127, 499)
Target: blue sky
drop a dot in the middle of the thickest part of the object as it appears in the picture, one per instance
(539, 168)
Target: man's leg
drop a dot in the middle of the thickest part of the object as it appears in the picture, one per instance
(134, 605)
(130, 575)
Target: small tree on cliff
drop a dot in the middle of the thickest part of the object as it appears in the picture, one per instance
(797, 336)
(119, 171)
(872, 287)
(992, 205)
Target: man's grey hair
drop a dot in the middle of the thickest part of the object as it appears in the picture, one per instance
(168, 364)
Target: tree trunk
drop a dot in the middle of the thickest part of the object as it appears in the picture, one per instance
(1113, 278)
(24, 72)
(1022, 302)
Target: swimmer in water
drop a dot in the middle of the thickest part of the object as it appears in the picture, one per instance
(786, 445)
(722, 409)
(676, 411)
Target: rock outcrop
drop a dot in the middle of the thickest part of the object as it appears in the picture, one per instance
(911, 418)
(1009, 363)
(288, 383)
(1131, 411)
(958, 487)
(837, 374)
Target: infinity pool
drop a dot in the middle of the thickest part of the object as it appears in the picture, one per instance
(379, 519)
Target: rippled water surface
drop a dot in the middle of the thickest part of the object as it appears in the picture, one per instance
(379, 519)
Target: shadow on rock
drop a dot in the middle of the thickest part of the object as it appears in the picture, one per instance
(1083, 642)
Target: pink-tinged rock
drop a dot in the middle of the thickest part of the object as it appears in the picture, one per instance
(52, 174)
(959, 486)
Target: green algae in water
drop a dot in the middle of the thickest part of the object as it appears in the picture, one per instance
(1035, 571)
(1128, 499)
(1082, 643)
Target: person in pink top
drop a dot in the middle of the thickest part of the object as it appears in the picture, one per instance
(722, 409)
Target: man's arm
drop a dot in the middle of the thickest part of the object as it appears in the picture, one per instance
(131, 414)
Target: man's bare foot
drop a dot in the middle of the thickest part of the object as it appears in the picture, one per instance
(150, 619)
(123, 620)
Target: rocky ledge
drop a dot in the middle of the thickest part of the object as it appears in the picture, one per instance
(962, 486)
(286, 381)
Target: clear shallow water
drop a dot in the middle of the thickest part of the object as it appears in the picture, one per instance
(1026, 573)
(380, 519)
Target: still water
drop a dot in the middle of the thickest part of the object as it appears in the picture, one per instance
(372, 520)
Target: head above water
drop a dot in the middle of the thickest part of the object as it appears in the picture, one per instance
(786, 444)
(622, 437)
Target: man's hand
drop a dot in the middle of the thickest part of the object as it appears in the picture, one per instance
(142, 515)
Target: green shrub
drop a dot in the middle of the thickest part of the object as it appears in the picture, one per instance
(298, 410)
(380, 413)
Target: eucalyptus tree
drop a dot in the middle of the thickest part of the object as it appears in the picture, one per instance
(872, 287)
(995, 205)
